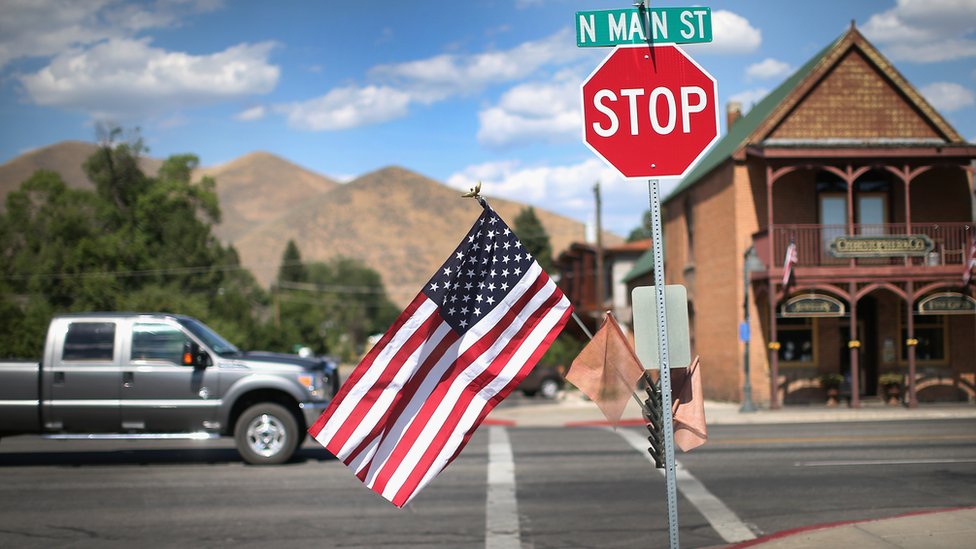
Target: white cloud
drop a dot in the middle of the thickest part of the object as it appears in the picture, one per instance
(731, 34)
(436, 78)
(925, 31)
(548, 111)
(948, 96)
(567, 190)
(345, 108)
(44, 28)
(253, 113)
(767, 69)
(123, 78)
(749, 98)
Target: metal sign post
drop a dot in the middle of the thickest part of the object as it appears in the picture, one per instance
(662, 341)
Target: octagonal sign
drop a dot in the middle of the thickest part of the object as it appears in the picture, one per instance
(650, 111)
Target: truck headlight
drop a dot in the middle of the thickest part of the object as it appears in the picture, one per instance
(314, 382)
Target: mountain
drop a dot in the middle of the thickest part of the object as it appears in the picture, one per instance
(259, 187)
(398, 222)
(66, 158)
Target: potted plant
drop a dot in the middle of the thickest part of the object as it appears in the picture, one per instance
(891, 383)
(831, 384)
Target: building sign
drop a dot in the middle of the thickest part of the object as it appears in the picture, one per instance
(881, 246)
(947, 303)
(808, 305)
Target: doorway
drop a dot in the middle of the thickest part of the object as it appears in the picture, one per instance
(867, 356)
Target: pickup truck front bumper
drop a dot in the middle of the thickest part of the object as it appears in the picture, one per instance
(312, 410)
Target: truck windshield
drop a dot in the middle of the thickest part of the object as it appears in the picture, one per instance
(213, 340)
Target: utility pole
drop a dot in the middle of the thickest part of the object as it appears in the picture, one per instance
(600, 283)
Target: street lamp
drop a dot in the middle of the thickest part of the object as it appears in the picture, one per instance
(750, 263)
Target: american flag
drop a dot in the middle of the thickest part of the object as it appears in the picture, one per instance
(791, 259)
(461, 346)
(967, 273)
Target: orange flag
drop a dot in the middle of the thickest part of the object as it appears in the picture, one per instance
(688, 407)
(607, 370)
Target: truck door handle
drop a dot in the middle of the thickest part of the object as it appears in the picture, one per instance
(127, 379)
(59, 378)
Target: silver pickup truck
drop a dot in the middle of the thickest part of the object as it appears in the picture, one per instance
(134, 375)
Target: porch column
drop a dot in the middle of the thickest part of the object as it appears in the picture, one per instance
(854, 346)
(910, 344)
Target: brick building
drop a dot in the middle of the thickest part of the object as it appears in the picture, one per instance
(847, 162)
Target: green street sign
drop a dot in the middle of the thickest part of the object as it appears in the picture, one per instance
(604, 28)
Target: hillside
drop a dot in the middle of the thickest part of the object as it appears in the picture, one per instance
(398, 222)
(259, 187)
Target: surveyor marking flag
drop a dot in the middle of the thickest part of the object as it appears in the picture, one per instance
(469, 337)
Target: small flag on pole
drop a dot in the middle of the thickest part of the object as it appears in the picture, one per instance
(461, 346)
(967, 273)
(688, 407)
(607, 370)
(791, 260)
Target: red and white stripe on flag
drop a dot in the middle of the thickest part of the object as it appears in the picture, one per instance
(791, 259)
(417, 397)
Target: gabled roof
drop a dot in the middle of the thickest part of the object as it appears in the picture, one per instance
(766, 115)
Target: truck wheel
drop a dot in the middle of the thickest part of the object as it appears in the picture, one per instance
(266, 434)
(549, 388)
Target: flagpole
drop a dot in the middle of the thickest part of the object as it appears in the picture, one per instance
(657, 234)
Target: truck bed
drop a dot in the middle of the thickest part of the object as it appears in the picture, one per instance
(19, 397)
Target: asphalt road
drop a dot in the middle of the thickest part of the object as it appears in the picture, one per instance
(573, 487)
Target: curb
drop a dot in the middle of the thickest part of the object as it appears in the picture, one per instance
(839, 524)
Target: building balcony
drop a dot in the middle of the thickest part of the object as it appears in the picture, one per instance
(924, 249)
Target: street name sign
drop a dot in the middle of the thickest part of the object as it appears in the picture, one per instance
(650, 111)
(603, 28)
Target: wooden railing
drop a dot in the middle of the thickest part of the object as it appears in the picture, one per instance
(951, 243)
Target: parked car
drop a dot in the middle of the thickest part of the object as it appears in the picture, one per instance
(154, 375)
(545, 381)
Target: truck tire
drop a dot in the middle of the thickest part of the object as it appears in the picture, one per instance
(266, 434)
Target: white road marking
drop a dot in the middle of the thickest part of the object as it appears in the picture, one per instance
(722, 519)
(501, 510)
(843, 463)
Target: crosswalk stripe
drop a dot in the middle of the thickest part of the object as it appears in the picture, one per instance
(723, 520)
(501, 510)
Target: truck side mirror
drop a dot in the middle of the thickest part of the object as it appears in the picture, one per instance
(194, 356)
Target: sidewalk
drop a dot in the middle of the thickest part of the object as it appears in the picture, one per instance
(948, 528)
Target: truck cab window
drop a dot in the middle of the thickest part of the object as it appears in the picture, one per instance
(89, 341)
(152, 341)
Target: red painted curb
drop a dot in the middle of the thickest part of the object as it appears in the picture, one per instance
(502, 422)
(605, 423)
(829, 525)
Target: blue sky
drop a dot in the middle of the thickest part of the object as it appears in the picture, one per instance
(457, 91)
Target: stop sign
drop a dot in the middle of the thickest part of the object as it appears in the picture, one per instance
(650, 111)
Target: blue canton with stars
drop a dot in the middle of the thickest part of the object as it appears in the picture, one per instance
(485, 266)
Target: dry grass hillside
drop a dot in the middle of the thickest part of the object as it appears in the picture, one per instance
(397, 222)
(259, 187)
(66, 158)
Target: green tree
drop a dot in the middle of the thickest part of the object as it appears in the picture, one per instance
(134, 243)
(292, 269)
(642, 232)
(534, 237)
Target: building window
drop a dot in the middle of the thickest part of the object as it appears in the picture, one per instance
(796, 340)
(931, 335)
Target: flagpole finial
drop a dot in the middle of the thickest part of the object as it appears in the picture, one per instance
(475, 193)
